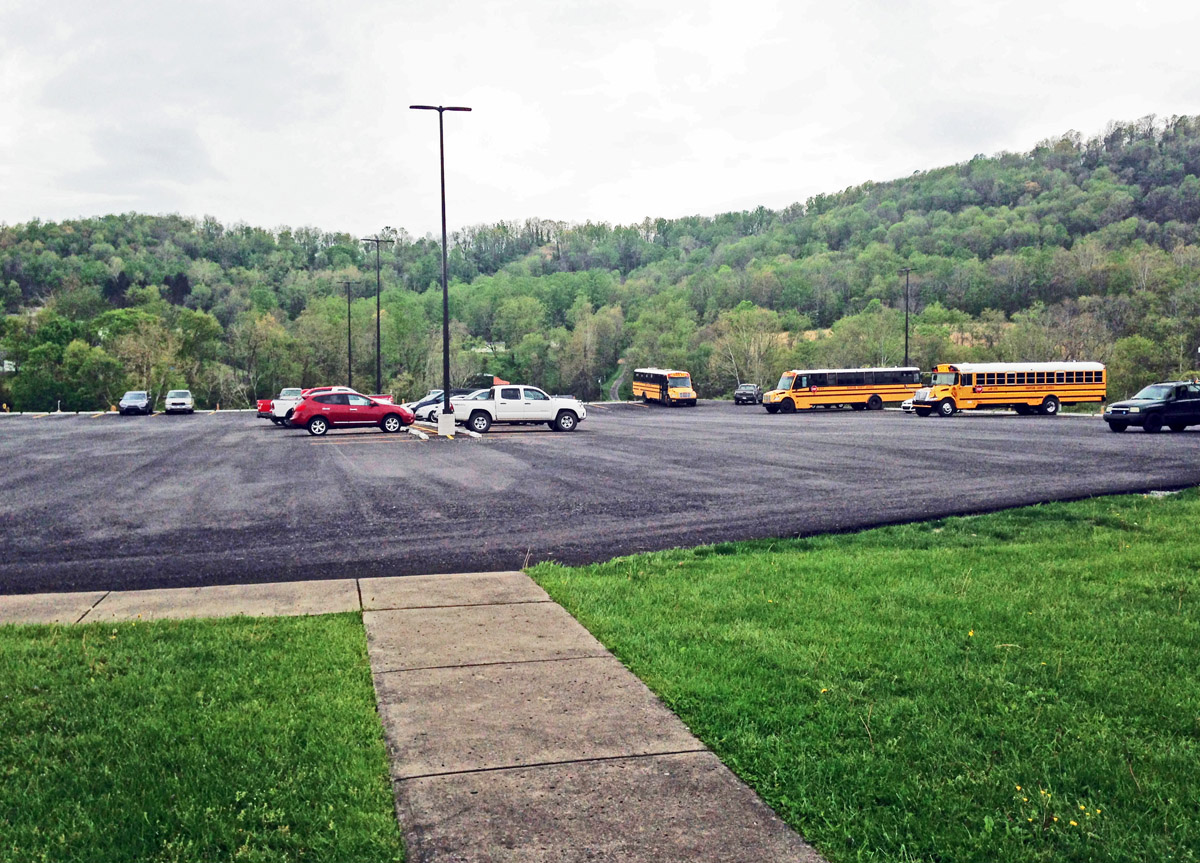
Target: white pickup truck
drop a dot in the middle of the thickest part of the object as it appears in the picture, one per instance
(520, 404)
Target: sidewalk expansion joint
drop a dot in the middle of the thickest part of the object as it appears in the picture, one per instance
(535, 764)
(358, 585)
(456, 605)
(92, 608)
(605, 655)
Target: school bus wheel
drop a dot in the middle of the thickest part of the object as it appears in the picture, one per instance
(946, 407)
(874, 403)
(787, 406)
(922, 412)
(772, 409)
(1050, 406)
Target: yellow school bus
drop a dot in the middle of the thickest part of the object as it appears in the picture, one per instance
(860, 389)
(669, 386)
(1027, 388)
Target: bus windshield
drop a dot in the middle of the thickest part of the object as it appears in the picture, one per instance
(785, 383)
(943, 379)
(683, 382)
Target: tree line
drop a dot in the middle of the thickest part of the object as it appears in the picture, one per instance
(1077, 249)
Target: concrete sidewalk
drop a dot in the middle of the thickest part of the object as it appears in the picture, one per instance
(513, 734)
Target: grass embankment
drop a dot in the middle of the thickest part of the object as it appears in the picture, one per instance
(1020, 686)
(240, 739)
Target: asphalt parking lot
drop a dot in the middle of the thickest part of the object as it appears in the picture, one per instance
(112, 502)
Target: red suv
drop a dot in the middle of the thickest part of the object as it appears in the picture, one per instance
(318, 413)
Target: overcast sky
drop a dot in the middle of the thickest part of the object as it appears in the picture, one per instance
(297, 113)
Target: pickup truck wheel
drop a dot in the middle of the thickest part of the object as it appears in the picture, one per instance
(391, 423)
(1178, 427)
(1116, 427)
(318, 426)
(479, 422)
(1152, 424)
(566, 421)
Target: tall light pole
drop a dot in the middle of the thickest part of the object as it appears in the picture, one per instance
(906, 271)
(447, 409)
(378, 287)
(349, 349)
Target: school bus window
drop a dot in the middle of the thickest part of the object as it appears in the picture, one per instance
(968, 380)
(801, 382)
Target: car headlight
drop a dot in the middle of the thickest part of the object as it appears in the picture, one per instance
(1135, 410)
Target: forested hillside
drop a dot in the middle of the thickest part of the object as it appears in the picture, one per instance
(1078, 249)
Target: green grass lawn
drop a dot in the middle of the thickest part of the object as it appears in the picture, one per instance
(228, 740)
(1020, 686)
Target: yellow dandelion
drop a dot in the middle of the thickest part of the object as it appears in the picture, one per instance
(1074, 823)
(1082, 808)
(824, 690)
(1028, 819)
(1055, 817)
(1024, 799)
(971, 633)
(1018, 787)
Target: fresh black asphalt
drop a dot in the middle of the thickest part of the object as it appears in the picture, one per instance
(118, 503)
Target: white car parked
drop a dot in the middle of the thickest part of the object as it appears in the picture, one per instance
(179, 401)
(520, 404)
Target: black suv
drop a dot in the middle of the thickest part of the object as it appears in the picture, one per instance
(747, 394)
(1174, 404)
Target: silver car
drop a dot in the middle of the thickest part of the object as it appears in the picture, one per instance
(136, 402)
(179, 401)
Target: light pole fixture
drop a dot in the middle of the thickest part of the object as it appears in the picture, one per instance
(447, 408)
(906, 271)
(349, 349)
(378, 287)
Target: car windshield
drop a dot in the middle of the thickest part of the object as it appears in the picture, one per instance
(135, 395)
(178, 394)
(943, 379)
(1155, 391)
(785, 382)
(290, 393)
(683, 382)
(746, 388)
